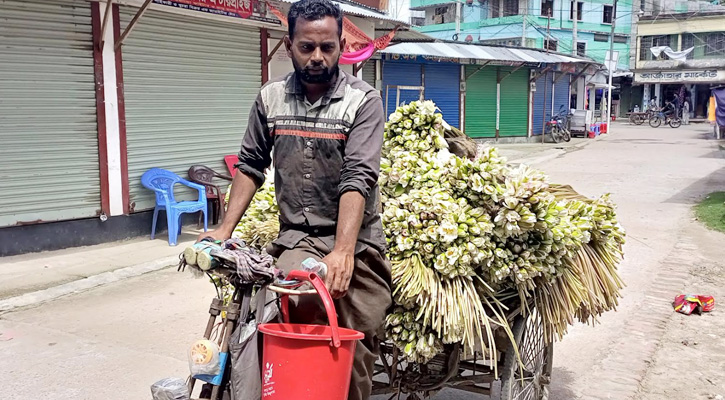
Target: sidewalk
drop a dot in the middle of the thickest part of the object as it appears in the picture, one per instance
(38, 277)
(30, 279)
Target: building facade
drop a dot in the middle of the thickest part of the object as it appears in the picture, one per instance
(681, 54)
(534, 23)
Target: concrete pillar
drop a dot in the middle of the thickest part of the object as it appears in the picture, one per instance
(592, 98)
(581, 92)
(645, 97)
(658, 93)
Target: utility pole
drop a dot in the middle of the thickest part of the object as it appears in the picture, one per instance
(611, 67)
(575, 15)
(548, 36)
(523, 23)
(458, 19)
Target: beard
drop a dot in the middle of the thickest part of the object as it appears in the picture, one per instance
(306, 76)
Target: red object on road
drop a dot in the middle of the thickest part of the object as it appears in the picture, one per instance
(307, 362)
(604, 127)
(689, 303)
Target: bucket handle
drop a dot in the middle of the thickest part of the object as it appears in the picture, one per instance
(319, 286)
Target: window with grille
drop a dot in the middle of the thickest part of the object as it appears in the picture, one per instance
(510, 7)
(581, 49)
(495, 9)
(601, 37)
(715, 44)
(688, 40)
(620, 39)
(647, 42)
(608, 14)
(579, 13)
(547, 8)
(551, 44)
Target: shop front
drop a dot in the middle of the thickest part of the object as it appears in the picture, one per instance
(667, 85)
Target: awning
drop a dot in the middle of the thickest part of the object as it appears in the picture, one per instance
(463, 51)
(362, 11)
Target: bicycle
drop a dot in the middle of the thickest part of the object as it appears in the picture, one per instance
(670, 119)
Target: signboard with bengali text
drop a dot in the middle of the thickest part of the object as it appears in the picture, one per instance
(253, 10)
(704, 76)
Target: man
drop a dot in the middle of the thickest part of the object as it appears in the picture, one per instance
(676, 104)
(653, 103)
(686, 111)
(325, 128)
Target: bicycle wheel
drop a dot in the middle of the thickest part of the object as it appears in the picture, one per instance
(567, 135)
(530, 381)
(655, 121)
(638, 120)
(675, 122)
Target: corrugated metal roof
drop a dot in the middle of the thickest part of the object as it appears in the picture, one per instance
(361, 11)
(481, 52)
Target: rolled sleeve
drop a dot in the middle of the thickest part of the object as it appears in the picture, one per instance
(255, 155)
(361, 165)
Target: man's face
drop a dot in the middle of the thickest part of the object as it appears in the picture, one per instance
(315, 49)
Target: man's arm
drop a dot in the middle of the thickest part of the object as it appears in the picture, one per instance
(359, 176)
(254, 159)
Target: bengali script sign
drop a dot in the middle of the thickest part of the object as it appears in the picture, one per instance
(679, 76)
(255, 10)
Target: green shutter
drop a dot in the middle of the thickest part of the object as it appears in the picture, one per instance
(189, 83)
(480, 118)
(48, 130)
(514, 116)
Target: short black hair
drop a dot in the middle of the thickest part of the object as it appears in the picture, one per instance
(313, 10)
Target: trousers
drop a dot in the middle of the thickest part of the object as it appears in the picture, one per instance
(363, 308)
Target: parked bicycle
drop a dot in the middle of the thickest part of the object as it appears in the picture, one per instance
(558, 126)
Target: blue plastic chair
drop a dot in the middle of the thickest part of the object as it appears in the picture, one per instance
(162, 183)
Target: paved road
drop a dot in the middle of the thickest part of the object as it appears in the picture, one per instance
(114, 341)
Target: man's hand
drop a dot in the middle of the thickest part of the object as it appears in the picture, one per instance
(217, 234)
(340, 266)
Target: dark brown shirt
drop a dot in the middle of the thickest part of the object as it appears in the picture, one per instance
(320, 151)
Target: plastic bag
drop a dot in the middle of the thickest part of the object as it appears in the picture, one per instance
(204, 358)
(170, 389)
(245, 348)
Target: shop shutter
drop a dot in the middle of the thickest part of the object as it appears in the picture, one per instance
(400, 74)
(189, 84)
(514, 114)
(480, 102)
(49, 152)
(542, 103)
(368, 73)
(442, 85)
(561, 93)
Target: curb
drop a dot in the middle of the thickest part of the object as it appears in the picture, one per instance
(52, 293)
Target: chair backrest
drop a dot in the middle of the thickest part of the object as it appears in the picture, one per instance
(161, 182)
(201, 174)
(230, 161)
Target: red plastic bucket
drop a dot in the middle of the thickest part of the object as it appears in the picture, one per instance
(307, 362)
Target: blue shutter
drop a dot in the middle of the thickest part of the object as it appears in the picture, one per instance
(442, 83)
(561, 93)
(400, 74)
(543, 89)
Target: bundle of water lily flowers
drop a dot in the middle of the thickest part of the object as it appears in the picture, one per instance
(464, 235)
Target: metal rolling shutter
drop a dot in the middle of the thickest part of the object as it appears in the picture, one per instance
(49, 152)
(368, 73)
(189, 84)
(442, 85)
(400, 74)
(542, 102)
(514, 112)
(561, 93)
(480, 102)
